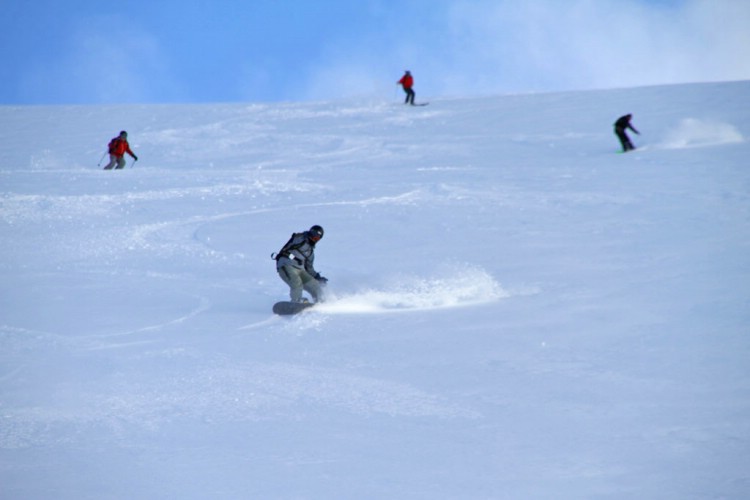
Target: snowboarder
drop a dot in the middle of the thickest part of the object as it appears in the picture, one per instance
(621, 125)
(117, 149)
(406, 82)
(294, 263)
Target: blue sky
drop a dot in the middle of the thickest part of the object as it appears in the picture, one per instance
(149, 51)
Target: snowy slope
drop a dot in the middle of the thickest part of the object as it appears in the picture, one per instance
(517, 310)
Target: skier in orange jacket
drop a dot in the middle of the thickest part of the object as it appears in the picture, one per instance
(117, 149)
(407, 81)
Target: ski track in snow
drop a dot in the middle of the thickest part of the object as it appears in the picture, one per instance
(695, 133)
(461, 286)
(215, 393)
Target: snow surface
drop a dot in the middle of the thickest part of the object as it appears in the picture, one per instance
(517, 311)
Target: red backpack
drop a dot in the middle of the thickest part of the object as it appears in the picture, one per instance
(113, 144)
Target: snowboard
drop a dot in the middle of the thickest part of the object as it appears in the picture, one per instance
(286, 308)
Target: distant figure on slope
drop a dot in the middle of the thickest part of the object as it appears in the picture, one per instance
(406, 82)
(294, 263)
(117, 149)
(621, 125)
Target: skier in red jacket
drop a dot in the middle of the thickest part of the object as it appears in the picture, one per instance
(117, 149)
(407, 81)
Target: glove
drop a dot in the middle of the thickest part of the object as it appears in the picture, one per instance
(135, 157)
(320, 278)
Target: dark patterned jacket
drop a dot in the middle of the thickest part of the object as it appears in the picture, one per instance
(299, 252)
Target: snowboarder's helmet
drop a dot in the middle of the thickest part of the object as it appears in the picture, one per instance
(123, 133)
(316, 232)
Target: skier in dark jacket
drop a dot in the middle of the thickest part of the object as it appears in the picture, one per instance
(621, 125)
(294, 263)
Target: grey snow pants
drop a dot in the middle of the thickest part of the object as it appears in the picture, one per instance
(299, 280)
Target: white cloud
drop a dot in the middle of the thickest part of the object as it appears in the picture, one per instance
(105, 61)
(549, 45)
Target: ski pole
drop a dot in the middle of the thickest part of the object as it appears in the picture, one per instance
(133, 164)
(101, 159)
